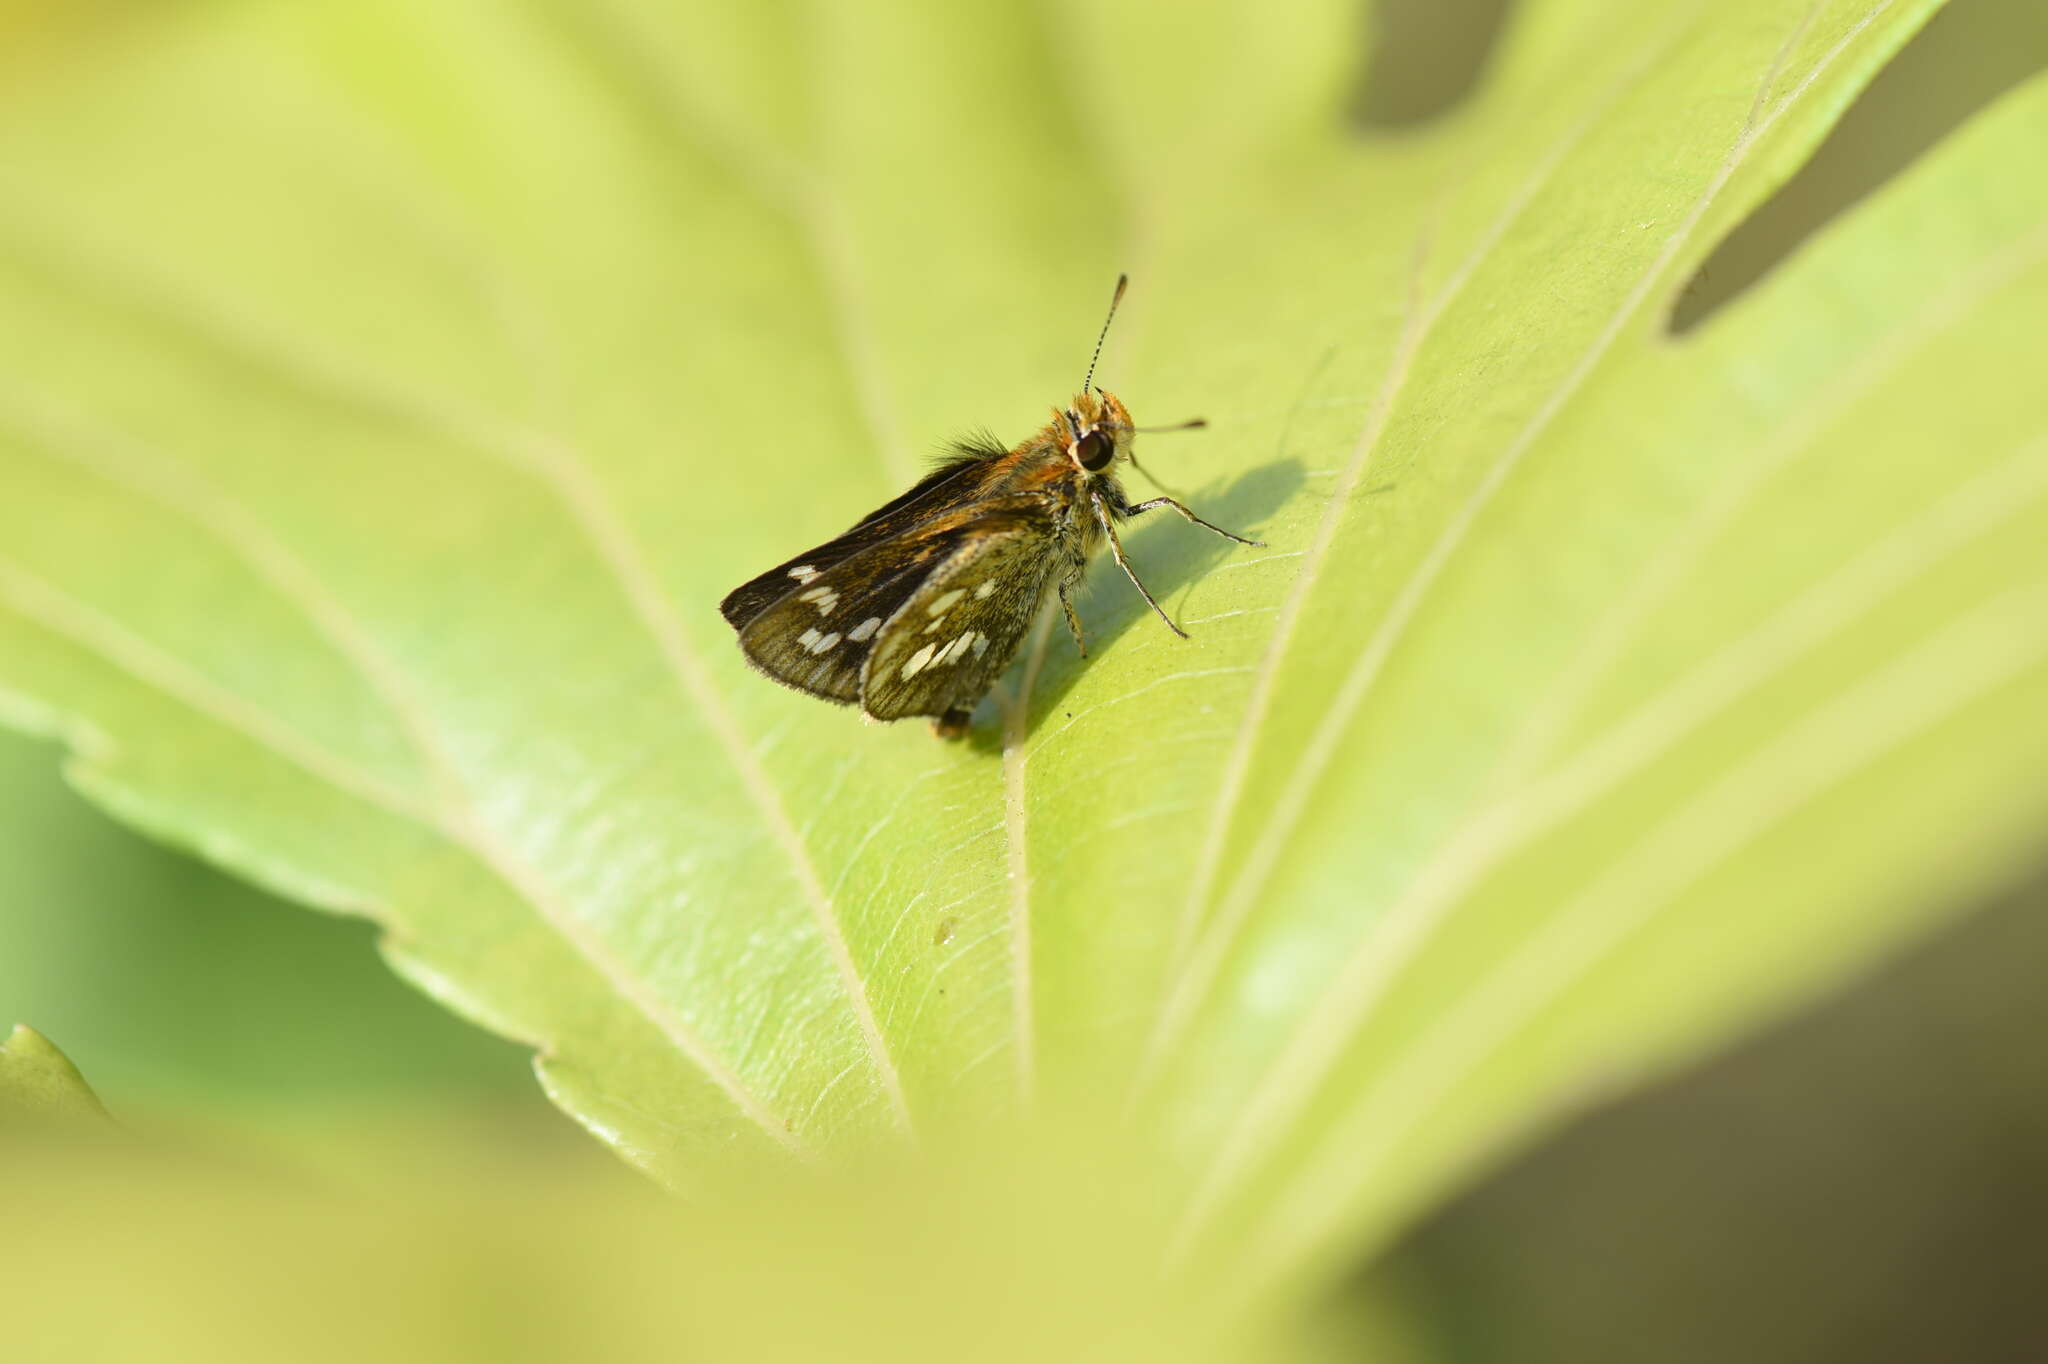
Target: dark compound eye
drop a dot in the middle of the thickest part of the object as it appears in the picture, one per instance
(1094, 450)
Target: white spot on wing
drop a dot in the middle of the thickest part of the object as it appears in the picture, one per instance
(985, 591)
(954, 651)
(945, 601)
(861, 633)
(823, 642)
(809, 639)
(980, 644)
(917, 661)
(803, 573)
(825, 597)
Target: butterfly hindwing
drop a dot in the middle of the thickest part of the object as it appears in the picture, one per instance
(954, 636)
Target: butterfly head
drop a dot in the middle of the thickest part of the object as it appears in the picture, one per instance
(1096, 431)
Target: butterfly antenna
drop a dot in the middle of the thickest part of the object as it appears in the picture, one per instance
(1103, 335)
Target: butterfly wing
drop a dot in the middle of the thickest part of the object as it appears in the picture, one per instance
(956, 633)
(942, 488)
(816, 637)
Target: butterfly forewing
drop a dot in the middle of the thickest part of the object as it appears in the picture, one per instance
(958, 631)
(817, 635)
(938, 491)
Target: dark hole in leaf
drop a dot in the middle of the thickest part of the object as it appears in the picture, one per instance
(1427, 56)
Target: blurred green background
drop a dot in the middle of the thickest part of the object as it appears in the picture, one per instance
(176, 988)
(1863, 1182)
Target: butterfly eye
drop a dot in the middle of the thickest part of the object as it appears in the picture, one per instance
(1094, 450)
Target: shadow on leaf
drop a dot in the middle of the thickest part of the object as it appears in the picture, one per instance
(1168, 553)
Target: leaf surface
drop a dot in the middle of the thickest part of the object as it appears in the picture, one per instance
(393, 391)
(38, 1080)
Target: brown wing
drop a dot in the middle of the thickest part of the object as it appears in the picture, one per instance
(938, 491)
(816, 637)
(956, 633)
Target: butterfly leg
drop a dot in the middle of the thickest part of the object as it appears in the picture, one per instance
(1067, 606)
(1182, 508)
(1116, 548)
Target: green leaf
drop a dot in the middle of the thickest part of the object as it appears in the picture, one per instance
(392, 391)
(178, 986)
(38, 1080)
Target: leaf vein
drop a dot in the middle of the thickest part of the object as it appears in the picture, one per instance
(1255, 1117)
(1192, 961)
(1948, 671)
(453, 815)
(291, 358)
(1366, 668)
